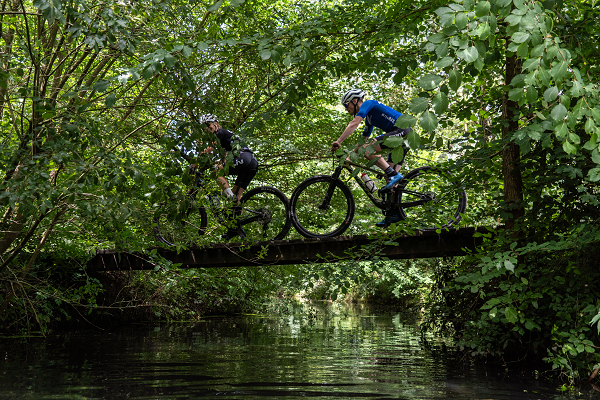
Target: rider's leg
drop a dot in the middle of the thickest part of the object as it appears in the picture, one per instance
(245, 168)
(222, 182)
(393, 176)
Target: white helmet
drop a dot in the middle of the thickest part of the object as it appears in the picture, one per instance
(207, 118)
(352, 94)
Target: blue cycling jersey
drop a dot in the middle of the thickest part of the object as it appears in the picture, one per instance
(377, 115)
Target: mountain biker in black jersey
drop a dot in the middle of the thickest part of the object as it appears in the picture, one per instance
(244, 165)
(375, 115)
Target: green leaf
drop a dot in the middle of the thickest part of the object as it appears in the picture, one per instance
(440, 103)
(430, 82)
(454, 80)
(516, 94)
(169, 60)
(513, 19)
(529, 325)
(397, 154)
(110, 100)
(482, 31)
(559, 112)
(275, 56)
(446, 20)
(444, 10)
(101, 86)
(569, 148)
(469, 54)
(482, 8)
(461, 21)
(559, 70)
(444, 62)
(509, 265)
(405, 121)
(531, 63)
(589, 125)
(441, 50)
(148, 72)
(287, 61)
(520, 37)
(265, 54)
(400, 73)
(596, 114)
(551, 94)
(511, 315)
(437, 38)
(186, 51)
(520, 4)
(215, 6)
(561, 130)
(531, 94)
(413, 139)
(439, 142)
(393, 141)
(594, 176)
(418, 105)
(428, 121)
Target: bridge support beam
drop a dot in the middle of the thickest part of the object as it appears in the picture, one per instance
(454, 242)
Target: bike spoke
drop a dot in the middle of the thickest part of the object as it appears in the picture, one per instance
(322, 207)
(265, 214)
(431, 199)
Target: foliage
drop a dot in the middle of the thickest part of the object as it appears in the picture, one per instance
(100, 106)
(539, 308)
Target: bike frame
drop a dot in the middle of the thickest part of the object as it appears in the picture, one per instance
(387, 202)
(351, 167)
(200, 183)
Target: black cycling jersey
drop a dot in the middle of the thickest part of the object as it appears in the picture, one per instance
(226, 137)
(244, 165)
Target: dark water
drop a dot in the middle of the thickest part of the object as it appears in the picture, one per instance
(319, 353)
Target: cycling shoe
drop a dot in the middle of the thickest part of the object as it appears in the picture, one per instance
(393, 180)
(388, 220)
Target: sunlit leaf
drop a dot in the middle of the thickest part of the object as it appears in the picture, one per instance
(430, 82)
(428, 121)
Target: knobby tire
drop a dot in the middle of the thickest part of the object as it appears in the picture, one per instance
(316, 216)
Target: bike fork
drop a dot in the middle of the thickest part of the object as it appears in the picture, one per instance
(326, 201)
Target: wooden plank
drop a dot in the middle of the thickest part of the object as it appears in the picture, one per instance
(300, 251)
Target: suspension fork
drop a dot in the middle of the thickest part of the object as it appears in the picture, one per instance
(327, 200)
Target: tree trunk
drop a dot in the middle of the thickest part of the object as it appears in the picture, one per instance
(511, 155)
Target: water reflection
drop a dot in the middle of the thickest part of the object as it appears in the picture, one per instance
(318, 352)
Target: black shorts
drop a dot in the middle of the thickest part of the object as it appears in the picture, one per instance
(245, 167)
(395, 132)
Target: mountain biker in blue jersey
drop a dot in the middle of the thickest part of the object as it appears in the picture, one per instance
(244, 165)
(375, 115)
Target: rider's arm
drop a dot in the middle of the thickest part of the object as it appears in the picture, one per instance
(348, 131)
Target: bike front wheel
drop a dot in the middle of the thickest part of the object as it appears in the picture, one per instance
(322, 206)
(179, 223)
(265, 214)
(431, 199)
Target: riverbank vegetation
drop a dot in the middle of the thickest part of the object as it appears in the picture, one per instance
(100, 104)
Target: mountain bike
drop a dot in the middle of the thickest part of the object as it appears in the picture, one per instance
(323, 205)
(262, 215)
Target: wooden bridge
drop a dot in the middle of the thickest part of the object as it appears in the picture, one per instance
(453, 242)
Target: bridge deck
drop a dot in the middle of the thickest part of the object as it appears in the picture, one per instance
(453, 242)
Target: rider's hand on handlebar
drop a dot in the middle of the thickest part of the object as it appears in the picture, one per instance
(335, 145)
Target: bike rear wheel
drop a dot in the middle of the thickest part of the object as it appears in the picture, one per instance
(265, 214)
(322, 206)
(431, 198)
(180, 223)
